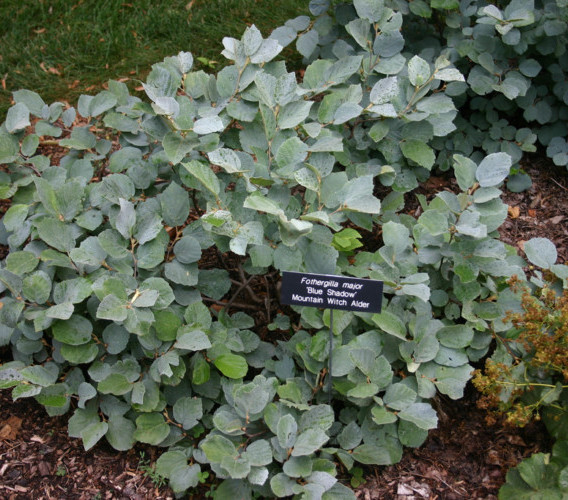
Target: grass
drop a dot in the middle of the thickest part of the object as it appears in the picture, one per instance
(64, 48)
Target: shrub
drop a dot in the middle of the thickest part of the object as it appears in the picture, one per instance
(529, 371)
(526, 378)
(127, 258)
(513, 55)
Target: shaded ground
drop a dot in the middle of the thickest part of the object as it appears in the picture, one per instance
(463, 459)
(540, 212)
(39, 461)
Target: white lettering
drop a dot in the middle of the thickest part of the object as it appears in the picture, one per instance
(312, 300)
(337, 302)
(359, 303)
(316, 282)
(353, 286)
(334, 293)
(315, 291)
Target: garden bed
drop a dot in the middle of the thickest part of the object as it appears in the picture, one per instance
(463, 458)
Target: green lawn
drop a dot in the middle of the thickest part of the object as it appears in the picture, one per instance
(64, 48)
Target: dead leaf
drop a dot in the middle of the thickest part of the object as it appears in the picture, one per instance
(37, 439)
(9, 429)
(513, 212)
(44, 469)
(53, 71)
(40, 31)
(537, 201)
(74, 84)
(556, 220)
(402, 489)
(516, 440)
(493, 458)
(531, 212)
(421, 489)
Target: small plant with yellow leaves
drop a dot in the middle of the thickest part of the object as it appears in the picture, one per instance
(529, 371)
(527, 379)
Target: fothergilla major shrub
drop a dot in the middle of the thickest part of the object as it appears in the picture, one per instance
(127, 257)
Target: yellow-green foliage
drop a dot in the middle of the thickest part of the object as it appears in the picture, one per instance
(536, 373)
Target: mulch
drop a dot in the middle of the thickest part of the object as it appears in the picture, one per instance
(541, 211)
(464, 458)
(39, 461)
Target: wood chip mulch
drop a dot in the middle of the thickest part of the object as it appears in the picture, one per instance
(541, 211)
(39, 461)
(464, 458)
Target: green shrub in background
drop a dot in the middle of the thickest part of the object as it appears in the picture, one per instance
(514, 60)
(106, 293)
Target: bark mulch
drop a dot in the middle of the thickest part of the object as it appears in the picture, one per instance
(39, 461)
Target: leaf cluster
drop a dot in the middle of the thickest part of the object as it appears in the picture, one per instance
(514, 60)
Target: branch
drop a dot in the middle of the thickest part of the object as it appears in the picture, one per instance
(250, 307)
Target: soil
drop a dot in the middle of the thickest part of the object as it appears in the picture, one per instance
(463, 459)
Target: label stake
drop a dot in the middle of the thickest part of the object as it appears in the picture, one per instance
(329, 384)
(331, 292)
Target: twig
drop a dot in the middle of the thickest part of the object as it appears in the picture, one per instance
(558, 184)
(222, 259)
(267, 299)
(10, 449)
(33, 168)
(438, 478)
(247, 287)
(236, 304)
(241, 287)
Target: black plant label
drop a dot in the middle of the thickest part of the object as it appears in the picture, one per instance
(331, 292)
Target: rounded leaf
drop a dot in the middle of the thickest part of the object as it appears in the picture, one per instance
(187, 250)
(493, 169)
(151, 428)
(541, 252)
(76, 330)
(37, 287)
(120, 433)
(231, 365)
